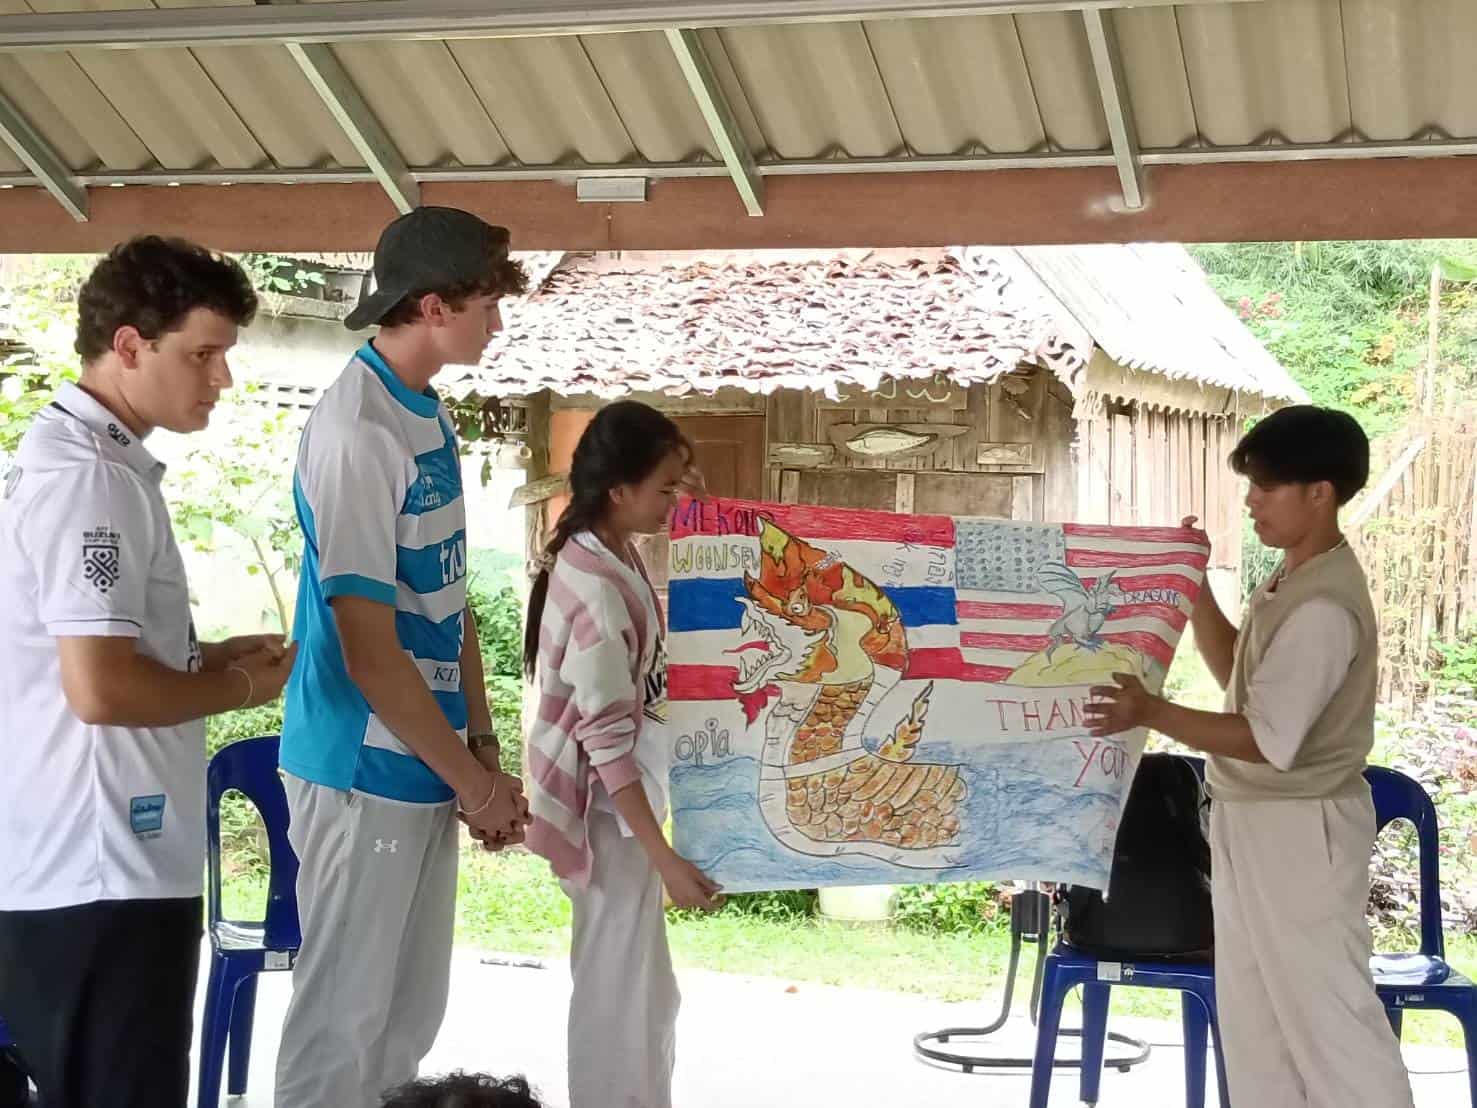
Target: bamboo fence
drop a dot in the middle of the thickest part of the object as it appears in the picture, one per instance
(1415, 534)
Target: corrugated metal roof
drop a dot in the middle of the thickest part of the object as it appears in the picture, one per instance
(1149, 307)
(1204, 75)
(759, 322)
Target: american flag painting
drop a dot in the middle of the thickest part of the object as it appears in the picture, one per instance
(867, 697)
(1146, 579)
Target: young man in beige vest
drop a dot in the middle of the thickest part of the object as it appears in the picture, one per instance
(1292, 823)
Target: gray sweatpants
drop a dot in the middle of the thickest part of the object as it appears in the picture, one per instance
(377, 897)
(623, 1009)
(1301, 1024)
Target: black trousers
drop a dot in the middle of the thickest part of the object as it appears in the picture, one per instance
(99, 999)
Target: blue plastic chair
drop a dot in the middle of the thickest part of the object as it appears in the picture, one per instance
(1066, 968)
(1422, 979)
(241, 950)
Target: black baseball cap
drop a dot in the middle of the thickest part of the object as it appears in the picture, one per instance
(425, 249)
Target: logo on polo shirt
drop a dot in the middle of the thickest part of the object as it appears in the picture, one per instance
(102, 565)
(385, 846)
(116, 434)
(146, 814)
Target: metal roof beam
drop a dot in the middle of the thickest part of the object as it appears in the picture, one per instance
(349, 20)
(796, 167)
(727, 133)
(1107, 63)
(38, 156)
(345, 102)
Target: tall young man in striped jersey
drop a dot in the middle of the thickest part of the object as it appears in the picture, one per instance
(388, 737)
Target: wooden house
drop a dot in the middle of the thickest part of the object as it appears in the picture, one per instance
(1096, 384)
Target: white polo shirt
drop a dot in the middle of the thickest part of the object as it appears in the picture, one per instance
(91, 813)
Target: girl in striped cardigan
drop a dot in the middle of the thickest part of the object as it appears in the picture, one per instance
(597, 758)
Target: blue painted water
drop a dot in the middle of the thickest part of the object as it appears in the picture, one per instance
(1022, 818)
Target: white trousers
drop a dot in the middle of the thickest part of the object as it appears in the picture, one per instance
(1300, 1022)
(376, 895)
(623, 1010)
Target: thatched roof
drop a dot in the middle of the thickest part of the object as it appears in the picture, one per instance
(679, 324)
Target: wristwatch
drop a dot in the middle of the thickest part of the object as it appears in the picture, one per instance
(481, 739)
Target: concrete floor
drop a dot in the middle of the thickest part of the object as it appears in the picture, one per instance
(744, 1042)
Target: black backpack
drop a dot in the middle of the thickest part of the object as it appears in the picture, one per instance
(1158, 903)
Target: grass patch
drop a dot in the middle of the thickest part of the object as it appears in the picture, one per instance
(511, 903)
(244, 896)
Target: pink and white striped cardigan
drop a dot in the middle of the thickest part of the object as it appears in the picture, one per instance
(595, 643)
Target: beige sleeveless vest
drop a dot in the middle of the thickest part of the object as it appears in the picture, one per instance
(1332, 758)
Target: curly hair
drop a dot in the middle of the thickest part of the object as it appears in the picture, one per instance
(462, 1090)
(152, 283)
(506, 277)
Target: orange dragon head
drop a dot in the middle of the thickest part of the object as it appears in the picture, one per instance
(810, 617)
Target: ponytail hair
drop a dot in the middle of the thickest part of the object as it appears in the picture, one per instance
(623, 445)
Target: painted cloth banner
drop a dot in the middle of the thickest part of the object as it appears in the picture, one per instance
(861, 697)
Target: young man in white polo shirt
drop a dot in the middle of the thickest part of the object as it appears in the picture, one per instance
(388, 736)
(104, 689)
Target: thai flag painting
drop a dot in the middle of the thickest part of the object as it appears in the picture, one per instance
(862, 697)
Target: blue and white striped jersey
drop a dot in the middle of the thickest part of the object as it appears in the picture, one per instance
(379, 499)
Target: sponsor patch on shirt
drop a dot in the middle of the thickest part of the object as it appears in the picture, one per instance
(146, 814)
(102, 564)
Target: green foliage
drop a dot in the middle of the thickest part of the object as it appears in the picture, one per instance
(24, 391)
(965, 907)
(1437, 745)
(499, 615)
(1258, 562)
(244, 849)
(778, 906)
(505, 698)
(1348, 319)
(273, 273)
(240, 481)
(224, 729)
(1189, 683)
(243, 838)
(493, 569)
(1458, 668)
(38, 323)
(510, 901)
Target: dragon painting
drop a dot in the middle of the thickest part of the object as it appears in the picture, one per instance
(838, 774)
